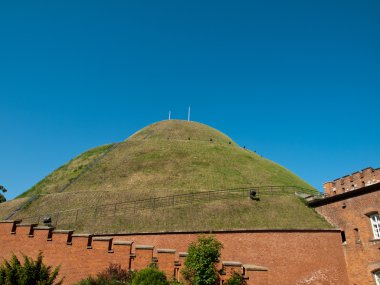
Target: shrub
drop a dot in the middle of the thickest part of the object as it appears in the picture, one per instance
(175, 282)
(150, 276)
(2, 198)
(200, 264)
(236, 279)
(112, 275)
(32, 272)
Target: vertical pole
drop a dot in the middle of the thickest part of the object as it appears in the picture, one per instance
(188, 115)
(76, 216)
(56, 222)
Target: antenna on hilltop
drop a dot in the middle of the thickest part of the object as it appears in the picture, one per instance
(188, 115)
(170, 113)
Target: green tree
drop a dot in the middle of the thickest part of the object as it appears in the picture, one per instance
(236, 279)
(150, 276)
(200, 264)
(32, 272)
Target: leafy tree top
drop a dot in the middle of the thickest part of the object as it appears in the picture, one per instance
(32, 272)
(200, 264)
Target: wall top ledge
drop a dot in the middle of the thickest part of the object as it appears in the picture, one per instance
(231, 263)
(252, 267)
(102, 238)
(10, 221)
(165, 250)
(63, 231)
(82, 235)
(183, 254)
(144, 247)
(121, 242)
(44, 228)
(27, 225)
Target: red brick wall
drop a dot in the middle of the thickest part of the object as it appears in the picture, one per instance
(360, 179)
(361, 250)
(288, 257)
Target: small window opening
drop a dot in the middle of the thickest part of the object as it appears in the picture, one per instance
(343, 236)
(357, 236)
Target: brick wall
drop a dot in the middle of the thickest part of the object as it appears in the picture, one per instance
(266, 257)
(366, 177)
(351, 215)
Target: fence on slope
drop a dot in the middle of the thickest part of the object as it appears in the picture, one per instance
(73, 216)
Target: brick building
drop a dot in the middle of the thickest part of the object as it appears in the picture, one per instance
(352, 203)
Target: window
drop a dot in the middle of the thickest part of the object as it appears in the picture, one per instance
(376, 275)
(343, 235)
(375, 221)
(357, 236)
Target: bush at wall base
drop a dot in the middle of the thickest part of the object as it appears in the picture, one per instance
(112, 275)
(236, 279)
(31, 272)
(150, 276)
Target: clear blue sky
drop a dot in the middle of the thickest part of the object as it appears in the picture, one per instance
(297, 81)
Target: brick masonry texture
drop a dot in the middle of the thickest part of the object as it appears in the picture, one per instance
(360, 179)
(351, 215)
(267, 257)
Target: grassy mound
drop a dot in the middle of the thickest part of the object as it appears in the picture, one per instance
(169, 158)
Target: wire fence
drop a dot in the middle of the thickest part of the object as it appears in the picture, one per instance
(74, 216)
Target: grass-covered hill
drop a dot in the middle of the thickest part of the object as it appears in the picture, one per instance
(169, 158)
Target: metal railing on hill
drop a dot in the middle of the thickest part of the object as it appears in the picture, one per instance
(132, 207)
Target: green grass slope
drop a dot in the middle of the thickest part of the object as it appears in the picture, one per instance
(271, 212)
(161, 160)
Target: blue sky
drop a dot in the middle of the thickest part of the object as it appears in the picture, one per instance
(297, 81)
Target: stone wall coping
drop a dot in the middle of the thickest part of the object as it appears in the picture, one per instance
(165, 250)
(102, 239)
(43, 228)
(82, 235)
(63, 231)
(122, 242)
(252, 267)
(232, 263)
(10, 221)
(26, 225)
(183, 254)
(144, 247)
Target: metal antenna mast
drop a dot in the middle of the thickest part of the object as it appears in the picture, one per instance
(188, 115)
(170, 113)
